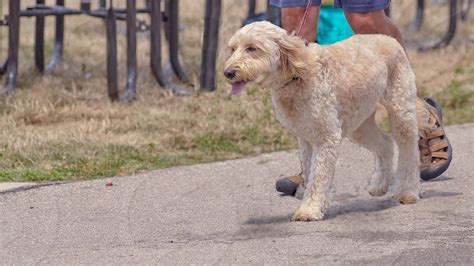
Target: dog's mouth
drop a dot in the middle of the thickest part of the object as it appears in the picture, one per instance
(238, 87)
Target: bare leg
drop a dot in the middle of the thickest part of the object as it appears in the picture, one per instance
(291, 19)
(374, 23)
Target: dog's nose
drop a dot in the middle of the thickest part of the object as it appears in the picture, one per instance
(229, 73)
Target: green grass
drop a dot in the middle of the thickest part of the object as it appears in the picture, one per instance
(104, 165)
(116, 160)
(457, 102)
(61, 162)
(455, 96)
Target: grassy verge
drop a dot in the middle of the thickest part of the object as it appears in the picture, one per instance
(66, 162)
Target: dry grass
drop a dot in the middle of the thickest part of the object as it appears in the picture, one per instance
(62, 125)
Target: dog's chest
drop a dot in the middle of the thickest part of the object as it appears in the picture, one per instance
(285, 112)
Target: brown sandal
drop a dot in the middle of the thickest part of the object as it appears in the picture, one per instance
(435, 149)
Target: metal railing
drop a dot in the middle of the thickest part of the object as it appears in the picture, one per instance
(167, 20)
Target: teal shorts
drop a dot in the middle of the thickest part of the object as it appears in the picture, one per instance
(332, 26)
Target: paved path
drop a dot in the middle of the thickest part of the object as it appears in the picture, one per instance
(9, 186)
(228, 212)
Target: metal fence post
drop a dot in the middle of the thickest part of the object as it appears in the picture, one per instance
(173, 38)
(155, 50)
(57, 55)
(130, 89)
(39, 40)
(210, 45)
(112, 82)
(13, 43)
(420, 12)
(448, 37)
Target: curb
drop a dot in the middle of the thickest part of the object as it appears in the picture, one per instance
(8, 186)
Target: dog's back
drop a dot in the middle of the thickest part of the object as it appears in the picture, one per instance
(360, 71)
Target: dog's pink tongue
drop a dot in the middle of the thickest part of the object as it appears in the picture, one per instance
(238, 87)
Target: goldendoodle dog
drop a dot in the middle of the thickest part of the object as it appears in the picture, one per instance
(323, 94)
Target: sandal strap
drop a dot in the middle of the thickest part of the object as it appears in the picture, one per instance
(430, 153)
(298, 179)
(438, 132)
(440, 155)
(435, 151)
(432, 143)
(439, 145)
(425, 165)
(434, 114)
(425, 152)
(431, 164)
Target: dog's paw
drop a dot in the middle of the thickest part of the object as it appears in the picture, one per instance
(306, 216)
(406, 198)
(378, 185)
(377, 191)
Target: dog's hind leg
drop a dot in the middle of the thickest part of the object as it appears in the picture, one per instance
(401, 106)
(380, 144)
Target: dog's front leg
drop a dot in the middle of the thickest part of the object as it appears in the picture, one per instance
(319, 182)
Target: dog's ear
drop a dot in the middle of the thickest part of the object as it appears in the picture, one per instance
(291, 61)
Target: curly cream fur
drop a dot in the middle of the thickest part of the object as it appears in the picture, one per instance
(323, 94)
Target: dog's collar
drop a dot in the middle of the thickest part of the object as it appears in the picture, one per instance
(294, 78)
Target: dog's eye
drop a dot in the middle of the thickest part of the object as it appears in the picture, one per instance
(251, 49)
(232, 49)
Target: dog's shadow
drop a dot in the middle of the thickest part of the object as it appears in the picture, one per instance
(366, 205)
(360, 206)
(268, 220)
(436, 194)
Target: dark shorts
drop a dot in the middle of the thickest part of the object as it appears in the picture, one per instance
(358, 6)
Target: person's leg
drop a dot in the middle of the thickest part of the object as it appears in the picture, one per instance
(292, 12)
(368, 17)
(291, 18)
(374, 22)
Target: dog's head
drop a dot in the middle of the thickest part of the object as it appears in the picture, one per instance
(260, 48)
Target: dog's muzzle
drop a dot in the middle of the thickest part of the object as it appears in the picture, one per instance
(229, 73)
(237, 86)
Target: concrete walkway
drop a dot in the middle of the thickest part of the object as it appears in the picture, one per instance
(228, 212)
(10, 186)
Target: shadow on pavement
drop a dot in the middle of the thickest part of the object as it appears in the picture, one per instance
(268, 220)
(440, 179)
(360, 205)
(435, 194)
